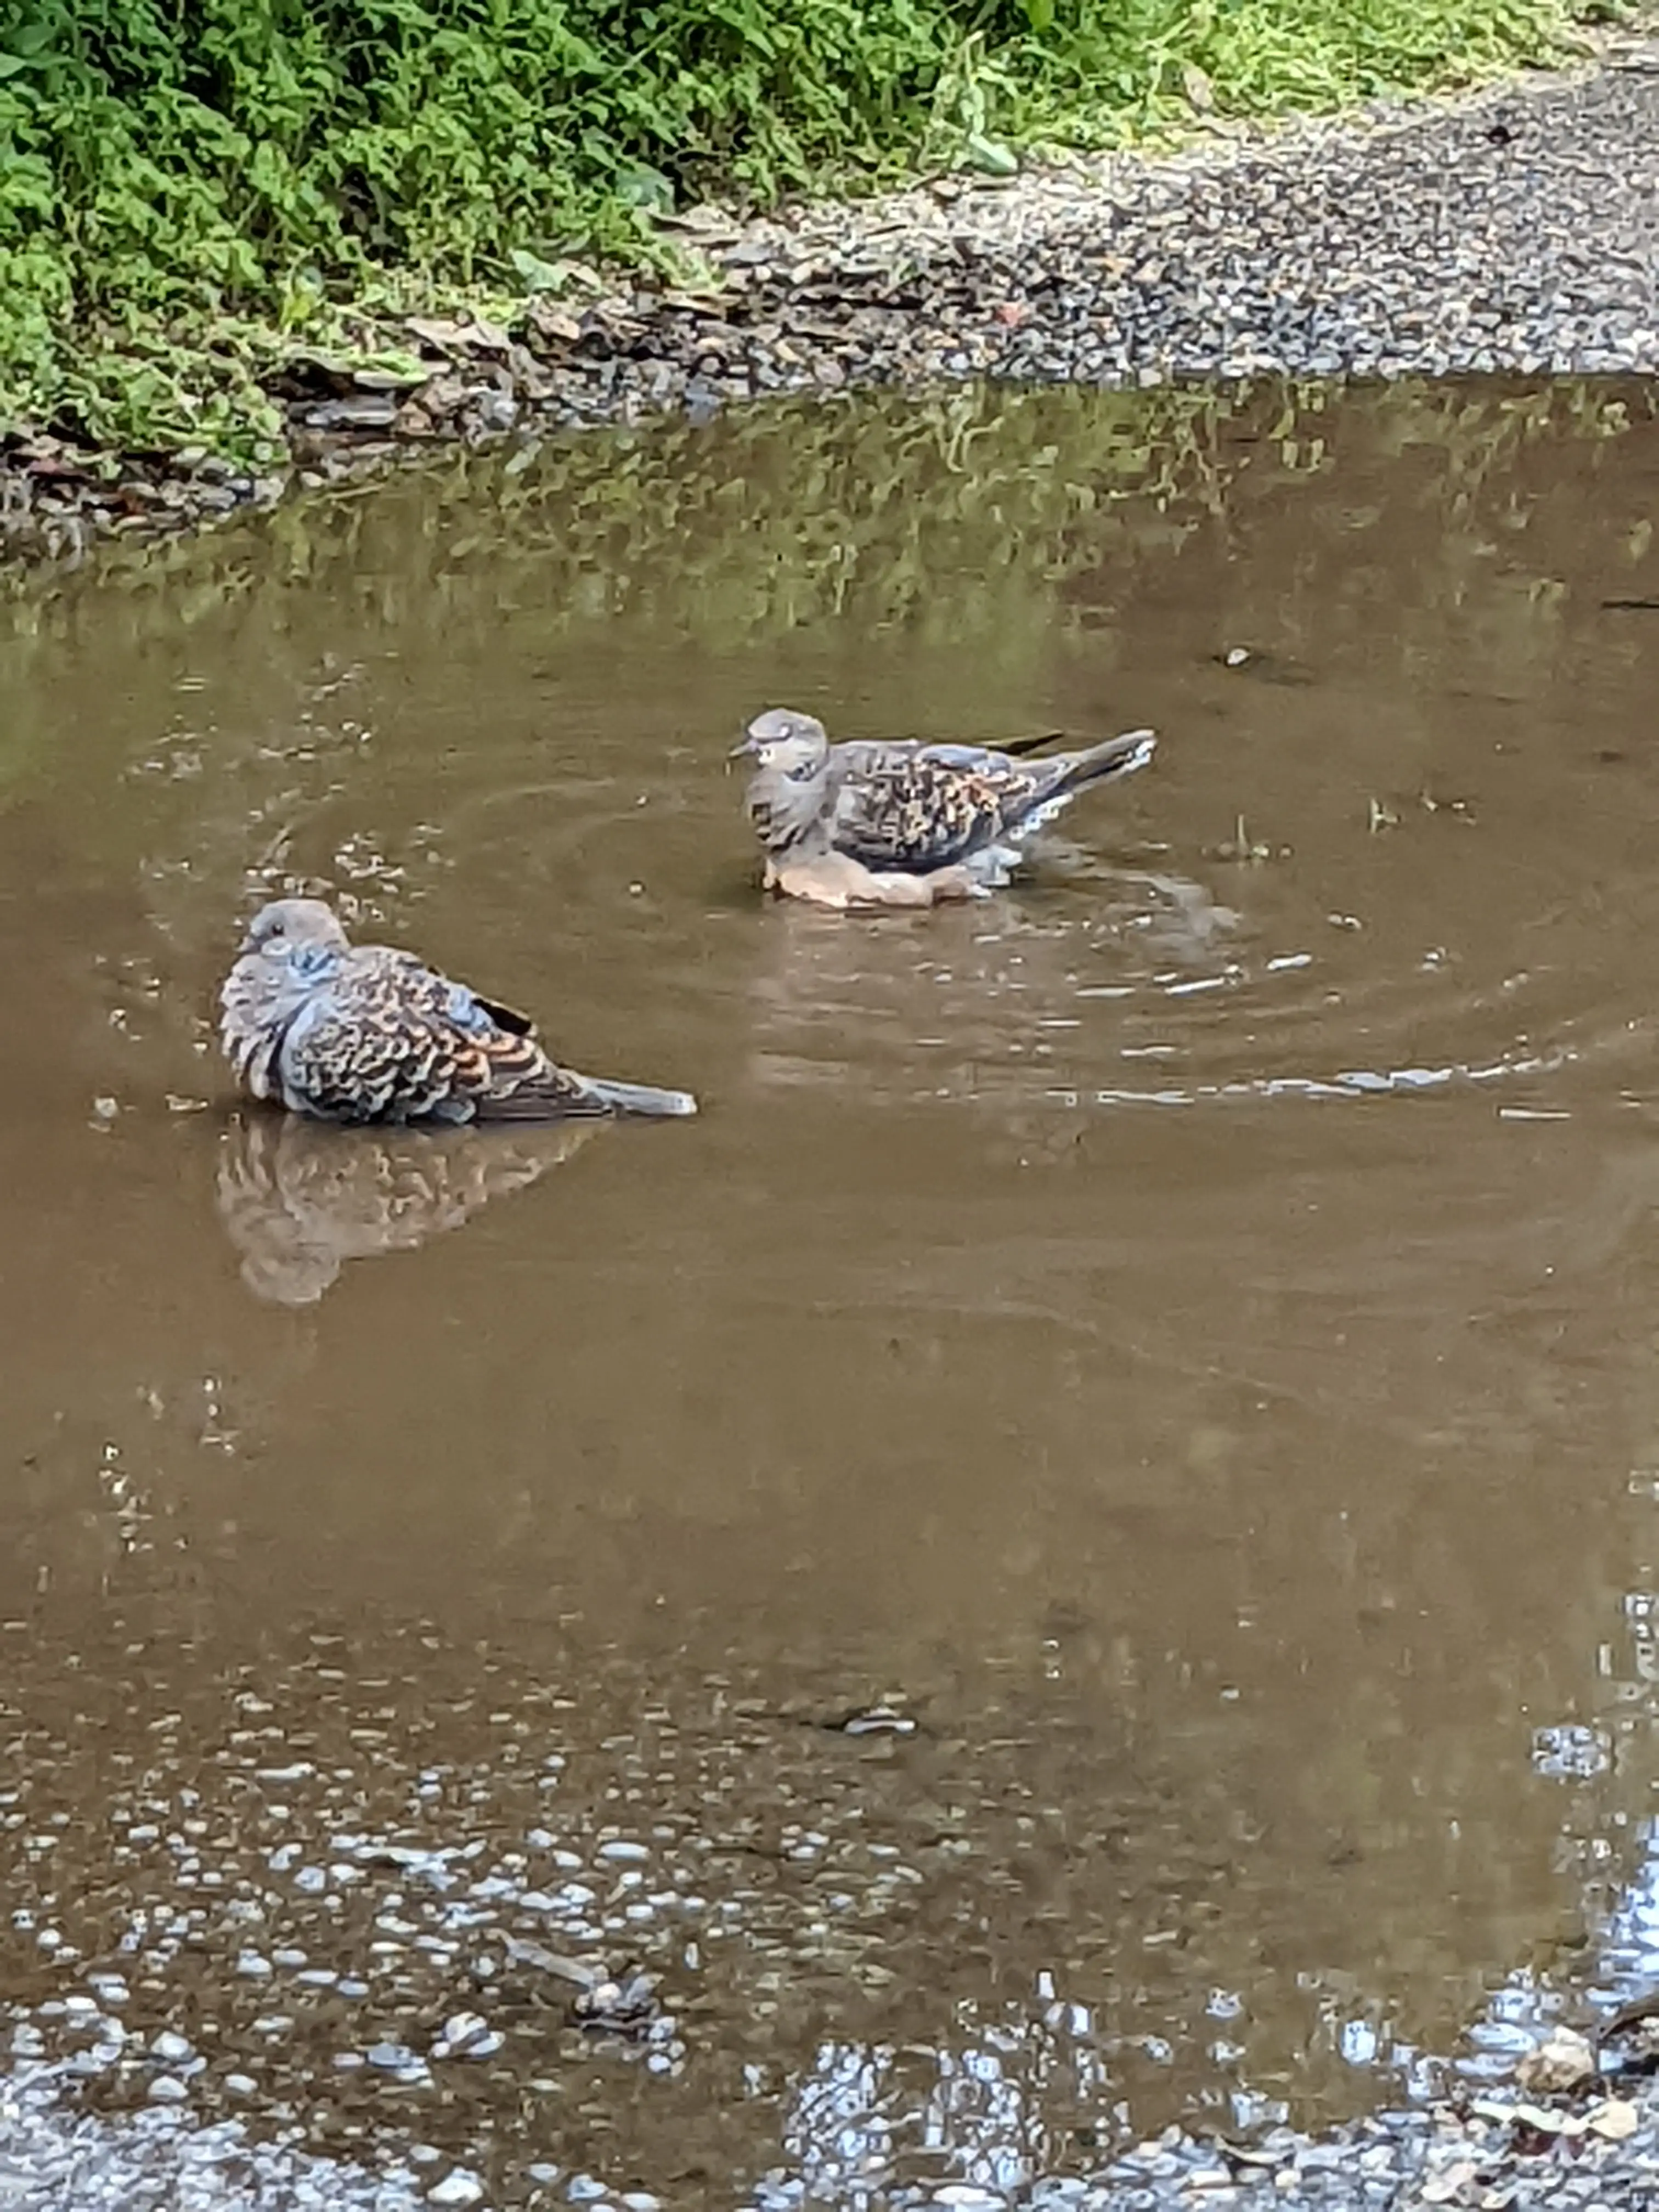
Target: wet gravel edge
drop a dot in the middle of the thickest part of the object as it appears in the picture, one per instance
(1502, 2151)
(1512, 231)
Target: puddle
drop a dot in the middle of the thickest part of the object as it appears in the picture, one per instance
(1080, 1551)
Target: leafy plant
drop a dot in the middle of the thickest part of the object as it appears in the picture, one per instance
(186, 185)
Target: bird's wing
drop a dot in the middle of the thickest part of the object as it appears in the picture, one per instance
(920, 807)
(391, 956)
(391, 1040)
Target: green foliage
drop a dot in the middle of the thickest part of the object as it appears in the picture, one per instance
(186, 184)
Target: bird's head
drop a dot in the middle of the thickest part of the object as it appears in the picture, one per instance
(293, 948)
(295, 928)
(294, 945)
(786, 743)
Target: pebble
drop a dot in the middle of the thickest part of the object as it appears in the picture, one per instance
(457, 2188)
(1565, 2060)
(392, 2058)
(467, 2035)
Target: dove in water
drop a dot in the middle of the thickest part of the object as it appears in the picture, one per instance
(904, 823)
(364, 1033)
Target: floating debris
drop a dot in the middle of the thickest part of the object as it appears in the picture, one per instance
(871, 1720)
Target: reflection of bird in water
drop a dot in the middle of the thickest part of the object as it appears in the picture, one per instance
(364, 1033)
(972, 988)
(903, 823)
(298, 1198)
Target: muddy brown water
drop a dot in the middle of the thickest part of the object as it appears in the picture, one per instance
(1182, 1335)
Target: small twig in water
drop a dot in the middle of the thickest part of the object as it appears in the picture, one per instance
(1239, 847)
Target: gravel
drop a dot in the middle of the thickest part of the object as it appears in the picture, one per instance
(205, 2100)
(53, 2154)
(1511, 232)
(1476, 2157)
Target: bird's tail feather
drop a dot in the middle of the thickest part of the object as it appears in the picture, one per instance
(1115, 756)
(639, 1098)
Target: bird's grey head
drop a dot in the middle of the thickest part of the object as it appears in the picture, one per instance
(783, 742)
(290, 926)
(293, 949)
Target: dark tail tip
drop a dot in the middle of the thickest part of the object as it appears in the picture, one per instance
(1116, 756)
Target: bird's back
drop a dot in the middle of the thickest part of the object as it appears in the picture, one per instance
(389, 1039)
(909, 805)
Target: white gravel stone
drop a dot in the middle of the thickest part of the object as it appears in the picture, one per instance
(457, 2188)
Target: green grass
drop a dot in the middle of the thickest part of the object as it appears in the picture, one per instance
(190, 189)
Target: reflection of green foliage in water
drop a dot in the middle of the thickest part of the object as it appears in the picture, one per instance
(191, 188)
(948, 511)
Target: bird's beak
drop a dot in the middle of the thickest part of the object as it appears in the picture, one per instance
(751, 744)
